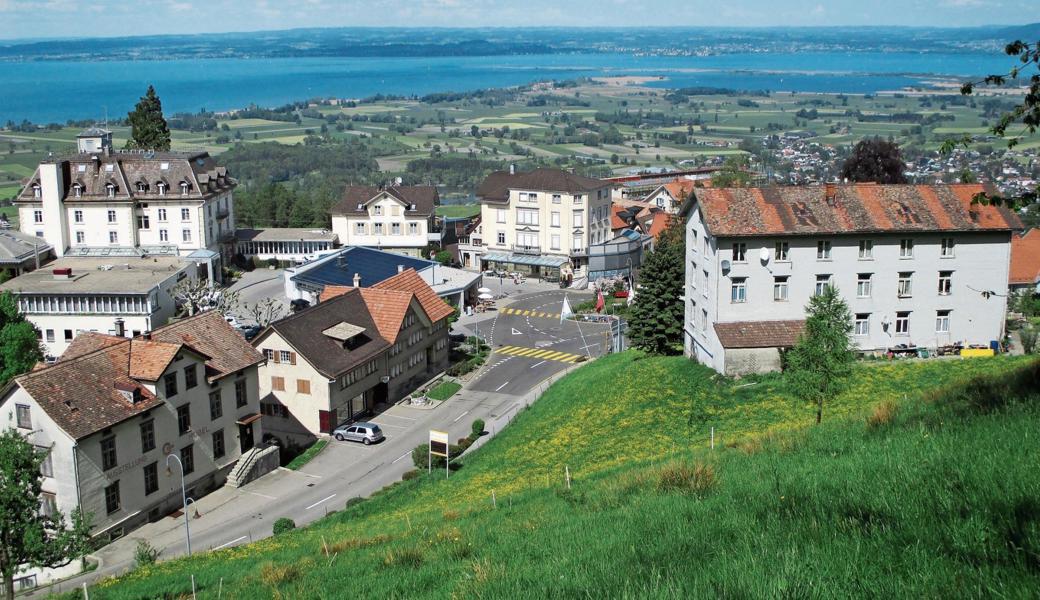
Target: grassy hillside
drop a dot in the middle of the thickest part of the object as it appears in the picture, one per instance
(905, 490)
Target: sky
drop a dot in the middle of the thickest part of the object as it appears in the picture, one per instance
(104, 18)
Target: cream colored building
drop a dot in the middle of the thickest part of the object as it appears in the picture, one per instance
(540, 220)
(397, 218)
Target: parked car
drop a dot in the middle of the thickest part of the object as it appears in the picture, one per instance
(362, 431)
(298, 305)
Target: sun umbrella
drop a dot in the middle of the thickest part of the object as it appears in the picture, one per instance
(483, 290)
(486, 297)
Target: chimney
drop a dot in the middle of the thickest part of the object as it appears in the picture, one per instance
(400, 268)
(357, 280)
(512, 169)
(830, 193)
(62, 273)
(120, 328)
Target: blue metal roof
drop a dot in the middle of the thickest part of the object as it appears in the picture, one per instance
(525, 259)
(372, 265)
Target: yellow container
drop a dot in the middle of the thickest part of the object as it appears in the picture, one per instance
(970, 352)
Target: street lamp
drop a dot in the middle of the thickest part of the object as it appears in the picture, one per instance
(184, 496)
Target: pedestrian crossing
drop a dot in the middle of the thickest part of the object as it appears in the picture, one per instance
(530, 313)
(540, 354)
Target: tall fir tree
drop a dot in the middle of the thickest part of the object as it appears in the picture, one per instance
(148, 128)
(819, 364)
(656, 321)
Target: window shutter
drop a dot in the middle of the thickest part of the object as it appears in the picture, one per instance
(275, 356)
(292, 358)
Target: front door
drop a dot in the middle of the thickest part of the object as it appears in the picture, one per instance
(245, 437)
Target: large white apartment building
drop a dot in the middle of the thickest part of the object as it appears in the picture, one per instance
(396, 218)
(122, 296)
(918, 266)
(111, 410)
(540, 220)
(103, 202)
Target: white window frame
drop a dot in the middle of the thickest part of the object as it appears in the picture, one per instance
(782, 252)
(823, 250)
(902, 324)
(947, 248)
(861, 325)
(740, 252)
(738, 290)
(823, 281)
(866, 249)
(945, 283)
(554, 219)
(781, 288)
(942, 321)
(500, 215)
(77, 216)
(905, 284)
(501, 238)
(864, 283)
(906, 248)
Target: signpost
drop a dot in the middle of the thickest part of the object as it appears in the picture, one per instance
(438, 447)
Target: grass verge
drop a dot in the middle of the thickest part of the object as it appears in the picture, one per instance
(444, 390)
(306, 456)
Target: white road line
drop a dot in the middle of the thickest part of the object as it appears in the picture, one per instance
(389, 425)
(397, 417)
(262, 495)
(536, 364)
(502, 386)
(320, 501)
(401, 457)
(238, 539)
(460, 416)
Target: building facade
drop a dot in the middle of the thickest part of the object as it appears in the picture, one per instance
(111, 410)
(540, 220)
(289, 244)
(103, 202)
(919, 266)
(397, 218)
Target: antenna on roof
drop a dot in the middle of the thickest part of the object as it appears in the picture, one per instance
(105, 109)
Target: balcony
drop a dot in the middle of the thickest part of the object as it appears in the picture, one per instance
(523, 249)
(223, 213)
(576, 252)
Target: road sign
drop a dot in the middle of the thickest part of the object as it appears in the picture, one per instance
(438, 443)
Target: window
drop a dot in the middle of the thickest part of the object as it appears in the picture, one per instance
(80, 237)
(46, 466)
(77, 216)
(377, 229)
(162, 188)
(863, 285)
(39, 234)
(48, 506)
(164, 236)
(413, 228)
(554, 218)
(501, 238)
(780, 288)
(740, 252)
(822, 283)
(902, 323)
(111, 216)
(108, 453)
(191, 377)
(37, 216)
(527, 240)
(905, 288)
(241, 397)
(377, 210)
(151, 478)
(147, 436)
(577, 242)
(50, 336)
(143, 222)
(782, 248)
(278, 384)
(579, 218)
(906, 248)
(170, 384)
(218, 444)
(945, 283)
(359, 228)
(112, 498)
(862, 324)
(823, 250)
(942, 321)
(738, 289)
(554, 241)
(303, 386)
(185, 214)
(37, 192)
(188, 459)
(500, 215)
(216, 406)
(162, 214)
(526, 216)
(22, 416)
(395, 229)
(557, 198)
(113, 237)
(184, 419)
(286, 356)
(68, 335)
(185, 235)
(946, 248)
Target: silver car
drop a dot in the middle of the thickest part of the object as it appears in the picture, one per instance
(362, 431)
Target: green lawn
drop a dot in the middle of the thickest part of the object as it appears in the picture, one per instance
(307, 455)
(936, 498)
(444, 391)
(458, 210)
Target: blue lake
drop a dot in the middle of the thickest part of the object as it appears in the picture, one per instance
(54, 91)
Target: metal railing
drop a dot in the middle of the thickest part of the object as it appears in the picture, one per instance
(525, 249)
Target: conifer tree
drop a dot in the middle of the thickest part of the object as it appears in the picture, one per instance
(149, 130)
(656, 323)
(820, 362)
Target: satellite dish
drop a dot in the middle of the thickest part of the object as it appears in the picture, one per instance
(725, 265)
(763, 255)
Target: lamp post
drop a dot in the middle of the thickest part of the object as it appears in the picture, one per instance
(184, 496)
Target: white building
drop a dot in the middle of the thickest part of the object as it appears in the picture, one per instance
(123, 296)
(102, 202)
(918, 266)
(110, 412)
(540, 220)
(296, 245)
(397, 218)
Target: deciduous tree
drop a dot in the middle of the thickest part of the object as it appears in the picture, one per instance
(148, 128)
(874, 160)
(656, 321)
(19, 343)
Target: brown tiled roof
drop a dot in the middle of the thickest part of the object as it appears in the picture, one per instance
(496, 185)
(410, 281)
(303, 331)
(424, 197)
(1025, 258)
(87, 342)
(857, 208)
(212, 336)
(759, 334)
(148, 358)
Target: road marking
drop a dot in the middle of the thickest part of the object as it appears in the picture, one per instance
(538, 363)
(238, 539)
(515, 332)
(401, 457)
(502, 386)
(262, 495)
(460, 416)
(389, 425)
(320, 501)
(540, 353)
(397, 417)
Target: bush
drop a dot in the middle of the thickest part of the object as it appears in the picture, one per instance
(477, 429)
(421, 457)
(1029, 336)
(145, 554)
(410, 475)
(354, 501)
(283, 524)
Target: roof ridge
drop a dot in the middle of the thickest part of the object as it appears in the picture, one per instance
(296, 315)
(75, 359)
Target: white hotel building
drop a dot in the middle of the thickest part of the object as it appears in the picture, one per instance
(918, 266)
(399, 219)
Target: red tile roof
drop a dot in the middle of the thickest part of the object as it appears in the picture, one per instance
(331, 291)
(149, 359)
(759, 334)
(616, 222)
(658, 224)
(213, 337)
(805, 210)
(388, 309)
(1025, 258)
(410, 281)
(680, 189)
(87, 342)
